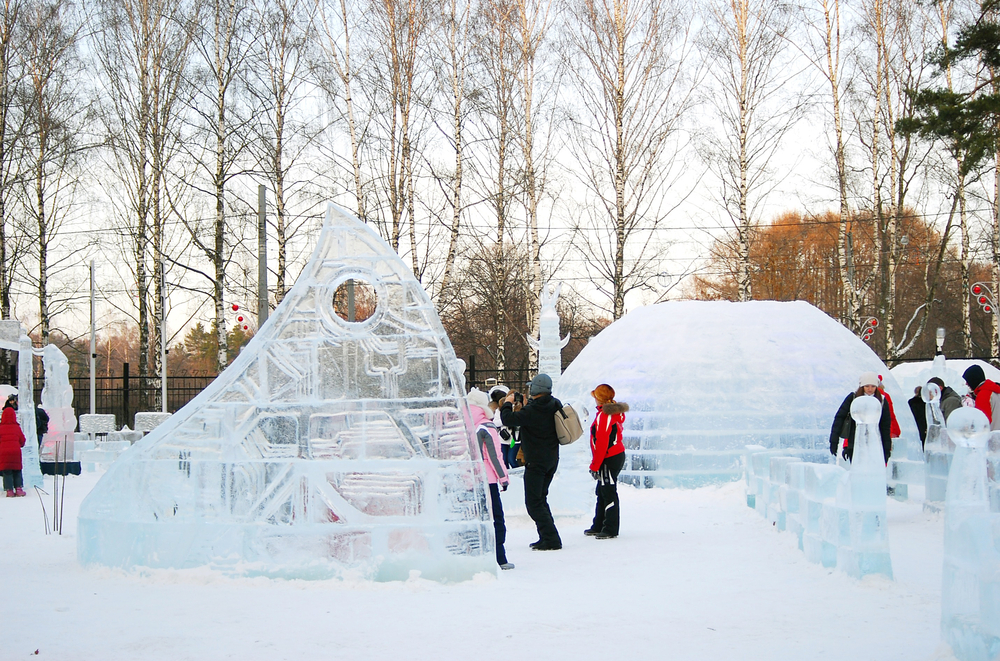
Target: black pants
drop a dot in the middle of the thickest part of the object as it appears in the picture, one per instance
(606, 515)
(499, 527)
(12, 480)
(536, 490)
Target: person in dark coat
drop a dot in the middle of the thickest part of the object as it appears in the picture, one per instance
(844, 426)
(985, 393)
(540, 447)
(919, 410)
(11, 442)
(41, 424)
(950, 400)
(607, 460)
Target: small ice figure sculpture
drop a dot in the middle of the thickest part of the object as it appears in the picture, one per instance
(970, 590)
(938, 448)
(57, 400)
(548, 345)
(863, 545)
(335, 443)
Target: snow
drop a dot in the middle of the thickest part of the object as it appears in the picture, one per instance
(695, 574)
(912, 374)
(703, 379)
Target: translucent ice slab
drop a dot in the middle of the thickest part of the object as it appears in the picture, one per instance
(970, 589)
(335, 443)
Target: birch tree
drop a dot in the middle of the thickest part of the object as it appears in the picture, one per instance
(223, 46)
(456, 45)
(53, 151)
(825, 50)
(746, 42)
(533, 19)
(337, 73)
(398, 32)
(629, 60)
(10, 132)
(143, 47)
(496, 26)
(281, 60)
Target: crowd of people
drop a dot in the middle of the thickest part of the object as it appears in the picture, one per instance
(514, 431)
(983, 394)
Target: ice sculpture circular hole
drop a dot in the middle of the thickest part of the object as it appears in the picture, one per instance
(355, 300)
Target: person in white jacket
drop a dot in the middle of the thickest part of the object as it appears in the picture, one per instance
(490, 448)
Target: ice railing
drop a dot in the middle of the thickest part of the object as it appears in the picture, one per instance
(807, 499)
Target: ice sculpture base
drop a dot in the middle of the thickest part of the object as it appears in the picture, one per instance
(311, 554)
(802, 498)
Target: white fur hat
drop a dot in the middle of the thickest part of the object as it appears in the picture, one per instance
(502, 388)
(868, 379)
(477, 397)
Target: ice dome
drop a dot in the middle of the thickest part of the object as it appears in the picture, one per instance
(703, 379)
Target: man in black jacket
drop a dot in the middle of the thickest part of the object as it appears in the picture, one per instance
(540, 446)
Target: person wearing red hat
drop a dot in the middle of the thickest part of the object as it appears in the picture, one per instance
(608, 459)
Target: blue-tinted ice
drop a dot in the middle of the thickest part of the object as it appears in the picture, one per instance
(970, 590)
(838, 515)
(328, 446)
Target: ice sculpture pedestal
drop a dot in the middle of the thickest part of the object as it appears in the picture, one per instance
(837, 515)
(970, 590)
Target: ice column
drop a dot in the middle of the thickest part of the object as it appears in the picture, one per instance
(548, 345)
(26, 414)
(970, 590)
(938, 448)
(57, 400)
(860, 511)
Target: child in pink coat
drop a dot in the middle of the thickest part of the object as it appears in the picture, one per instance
(490, 448)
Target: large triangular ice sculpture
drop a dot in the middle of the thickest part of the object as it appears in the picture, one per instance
(327, 446)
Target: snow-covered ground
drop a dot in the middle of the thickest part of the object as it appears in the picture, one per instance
(694, 575)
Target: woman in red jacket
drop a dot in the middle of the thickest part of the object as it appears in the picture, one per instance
(608, 460)
(11, 442)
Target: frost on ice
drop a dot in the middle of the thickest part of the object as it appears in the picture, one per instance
(329, 445)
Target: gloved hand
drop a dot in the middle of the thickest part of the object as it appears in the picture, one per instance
(594, 474)
(843, 453)
(504, 485)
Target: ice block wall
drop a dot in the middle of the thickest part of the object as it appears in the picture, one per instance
(838, 515)
(335, 443)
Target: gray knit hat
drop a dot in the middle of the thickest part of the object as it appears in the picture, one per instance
(540, 384)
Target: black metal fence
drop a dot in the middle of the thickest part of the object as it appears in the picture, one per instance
(515, 379)
(124, 395)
